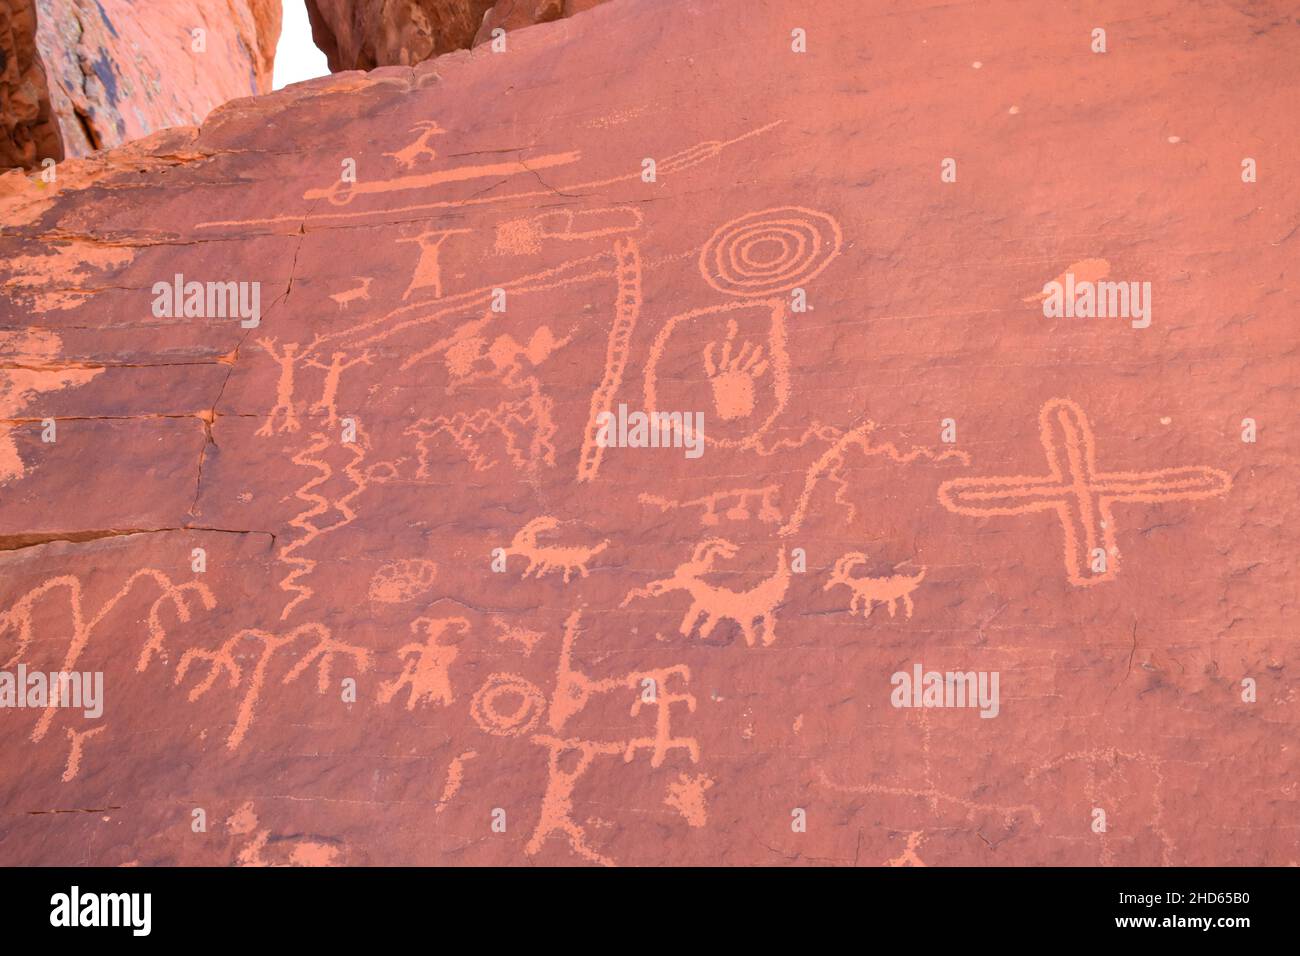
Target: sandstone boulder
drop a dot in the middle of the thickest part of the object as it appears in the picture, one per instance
(105, 72)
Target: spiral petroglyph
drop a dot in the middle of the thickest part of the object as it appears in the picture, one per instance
(770, 251)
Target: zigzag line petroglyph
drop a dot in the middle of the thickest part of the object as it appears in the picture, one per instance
(523, 425)
(627, 309)
(318, 505)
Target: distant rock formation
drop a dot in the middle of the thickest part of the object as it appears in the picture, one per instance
(28, 131)
(80, 75)
(364, 34)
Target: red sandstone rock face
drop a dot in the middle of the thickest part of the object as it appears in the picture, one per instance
(430, 599)
(514, 14)
(364, 34)
(28, 130)
(117, 70)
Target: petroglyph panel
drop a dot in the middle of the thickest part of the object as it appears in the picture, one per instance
(374, 581)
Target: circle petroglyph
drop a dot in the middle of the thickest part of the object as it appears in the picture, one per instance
(770, 251)
(507, 705)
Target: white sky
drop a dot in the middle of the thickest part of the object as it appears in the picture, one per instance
(296, 57)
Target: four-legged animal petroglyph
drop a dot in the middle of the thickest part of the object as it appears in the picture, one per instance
(711, 603)
(868, 592)
(543, 558)
(419, 148)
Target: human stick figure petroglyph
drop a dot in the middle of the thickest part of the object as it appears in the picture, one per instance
(1081, 495)
(426, 671)
(562, 775)
(508, 705)
(330, 388)
(287, 358)
(313, 456)
(428, 268)
(76, 744)
(543, 558)
(868, 592)
(712, 603)
(663, 741)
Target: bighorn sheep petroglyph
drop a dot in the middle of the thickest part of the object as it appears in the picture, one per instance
(543, 558)
(868, 592)
(712, 603)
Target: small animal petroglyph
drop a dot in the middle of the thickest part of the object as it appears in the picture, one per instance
(868, 592)
(418, 148)
(348, 296)
(543, 558)
(713, 603)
